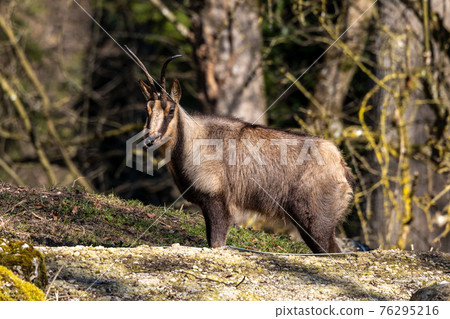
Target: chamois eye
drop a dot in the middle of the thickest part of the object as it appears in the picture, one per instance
(172, 110)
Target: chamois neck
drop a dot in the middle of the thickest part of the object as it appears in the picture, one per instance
(186, 125)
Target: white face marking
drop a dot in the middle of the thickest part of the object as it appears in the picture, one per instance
(157, 118)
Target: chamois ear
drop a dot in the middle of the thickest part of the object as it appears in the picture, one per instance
(146, 90)
(175, 91)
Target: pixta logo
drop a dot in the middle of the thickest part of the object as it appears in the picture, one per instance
(136, 148)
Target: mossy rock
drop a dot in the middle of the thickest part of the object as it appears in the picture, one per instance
(25, 261)
(439, 292)
(13, 288)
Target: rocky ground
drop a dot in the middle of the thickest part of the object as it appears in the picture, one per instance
(186, 273)
(68, 226)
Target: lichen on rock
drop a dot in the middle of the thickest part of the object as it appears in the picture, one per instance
(13, 288)
(25, 261)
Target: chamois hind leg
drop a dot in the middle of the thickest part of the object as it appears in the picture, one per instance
(320, 213)
(320, 239)
(217, 220)
(334, 207)
(317, 229)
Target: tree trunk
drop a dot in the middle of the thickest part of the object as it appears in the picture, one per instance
(227, 51)
(415, 117)
(338, 68)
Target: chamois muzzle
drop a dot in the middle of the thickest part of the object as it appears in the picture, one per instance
(151, 139)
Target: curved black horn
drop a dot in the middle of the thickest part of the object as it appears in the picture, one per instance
(163, 75)
(147, 74)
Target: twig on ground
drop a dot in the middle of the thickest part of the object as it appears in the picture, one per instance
(53, 281)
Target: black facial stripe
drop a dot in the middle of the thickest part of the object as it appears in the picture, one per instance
(166, 106)
(165, 123)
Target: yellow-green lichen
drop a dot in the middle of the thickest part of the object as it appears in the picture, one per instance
(13, 288)
(24, 261)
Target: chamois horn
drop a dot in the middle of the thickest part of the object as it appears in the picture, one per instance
(163, 76)
(147, 74)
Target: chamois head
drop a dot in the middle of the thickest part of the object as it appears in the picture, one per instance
(162, 107)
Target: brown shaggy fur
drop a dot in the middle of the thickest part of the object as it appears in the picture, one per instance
(312, 195)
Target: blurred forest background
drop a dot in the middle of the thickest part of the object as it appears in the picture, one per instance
(69, 98)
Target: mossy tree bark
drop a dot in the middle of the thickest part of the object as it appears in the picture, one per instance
(411, 202)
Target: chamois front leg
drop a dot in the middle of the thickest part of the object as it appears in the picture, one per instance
(217, 220)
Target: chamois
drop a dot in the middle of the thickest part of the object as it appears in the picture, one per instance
(232, 170)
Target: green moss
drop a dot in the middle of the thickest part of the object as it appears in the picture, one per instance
(74, 217)
(24, 260)
(13, 288)
(347, 65)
